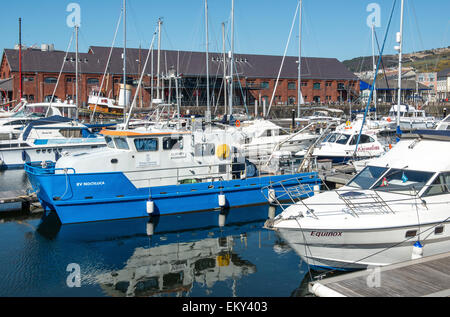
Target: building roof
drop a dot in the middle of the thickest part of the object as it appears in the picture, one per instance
(190, 63)
(392, 84)
(6, 84)
(443, 74)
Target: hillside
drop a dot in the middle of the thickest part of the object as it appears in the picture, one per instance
(433, 60)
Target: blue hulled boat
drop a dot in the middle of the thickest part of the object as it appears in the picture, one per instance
(155, 172)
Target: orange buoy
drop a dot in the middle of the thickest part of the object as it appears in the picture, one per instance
(238, 123)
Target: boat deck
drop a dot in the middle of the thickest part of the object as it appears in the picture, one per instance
(424, 277)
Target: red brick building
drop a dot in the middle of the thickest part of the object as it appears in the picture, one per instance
(324, 80)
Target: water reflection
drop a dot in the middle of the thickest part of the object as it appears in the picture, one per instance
(174, 255)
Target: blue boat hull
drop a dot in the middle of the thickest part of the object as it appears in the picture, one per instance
(80, 198)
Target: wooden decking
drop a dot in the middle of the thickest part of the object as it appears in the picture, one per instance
(425, 277)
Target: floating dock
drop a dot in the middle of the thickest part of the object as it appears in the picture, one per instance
(424, 277)
(18, 196)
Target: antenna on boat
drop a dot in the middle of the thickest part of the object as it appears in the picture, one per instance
(399, 49)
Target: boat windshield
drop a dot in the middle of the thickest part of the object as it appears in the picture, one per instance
(331, 138)
(402, 180)
(109, 142)
(343, 139)
(367, 177)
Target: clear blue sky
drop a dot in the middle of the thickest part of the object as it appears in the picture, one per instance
(331, 28)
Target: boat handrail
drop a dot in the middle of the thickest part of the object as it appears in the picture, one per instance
(293, 194)
(45, 167)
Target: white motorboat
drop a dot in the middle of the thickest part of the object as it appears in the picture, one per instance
(47, 139)
(444, 124)
(263, 137)
(342, 145)
(410, 118)
(395, 209)
(25, 113)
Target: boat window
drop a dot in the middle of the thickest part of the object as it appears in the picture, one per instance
(342, 139)
(109, 142)
(173, 143)
(146, 145)
(331, 138)
(364, 139)
(403, 180)
(367, 177)
(204, 149)
(441, 185)
(121, 143)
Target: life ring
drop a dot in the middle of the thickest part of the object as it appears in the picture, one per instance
(238, 123)
(223, 151)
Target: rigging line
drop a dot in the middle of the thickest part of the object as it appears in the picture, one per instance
(107, 64)
(282, 61)
(382, 62)
(374, 80)
(140, 80)
(60, 72)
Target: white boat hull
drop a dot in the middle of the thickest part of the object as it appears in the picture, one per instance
(355, 249)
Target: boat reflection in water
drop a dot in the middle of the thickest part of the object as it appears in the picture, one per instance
(166, 255)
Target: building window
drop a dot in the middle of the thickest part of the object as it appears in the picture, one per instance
(28, 78)
(304, 83)
(92, 81)
(50, 80)
(316, 98)
(316, 86)
(340, 86)
(48, 98)
(70, 79)
(292, 85)
(291, 100)
(328, 84)
(265, 85)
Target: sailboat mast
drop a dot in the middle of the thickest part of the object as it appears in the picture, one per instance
(230, 100)
(158, 85)
(76, 70)
(208, 110)
(224, 70)
(299, 83)
(374, 70)
(399, 48)
(20, 59)
(124, 59)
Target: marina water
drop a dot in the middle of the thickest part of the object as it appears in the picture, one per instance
(205, 254)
